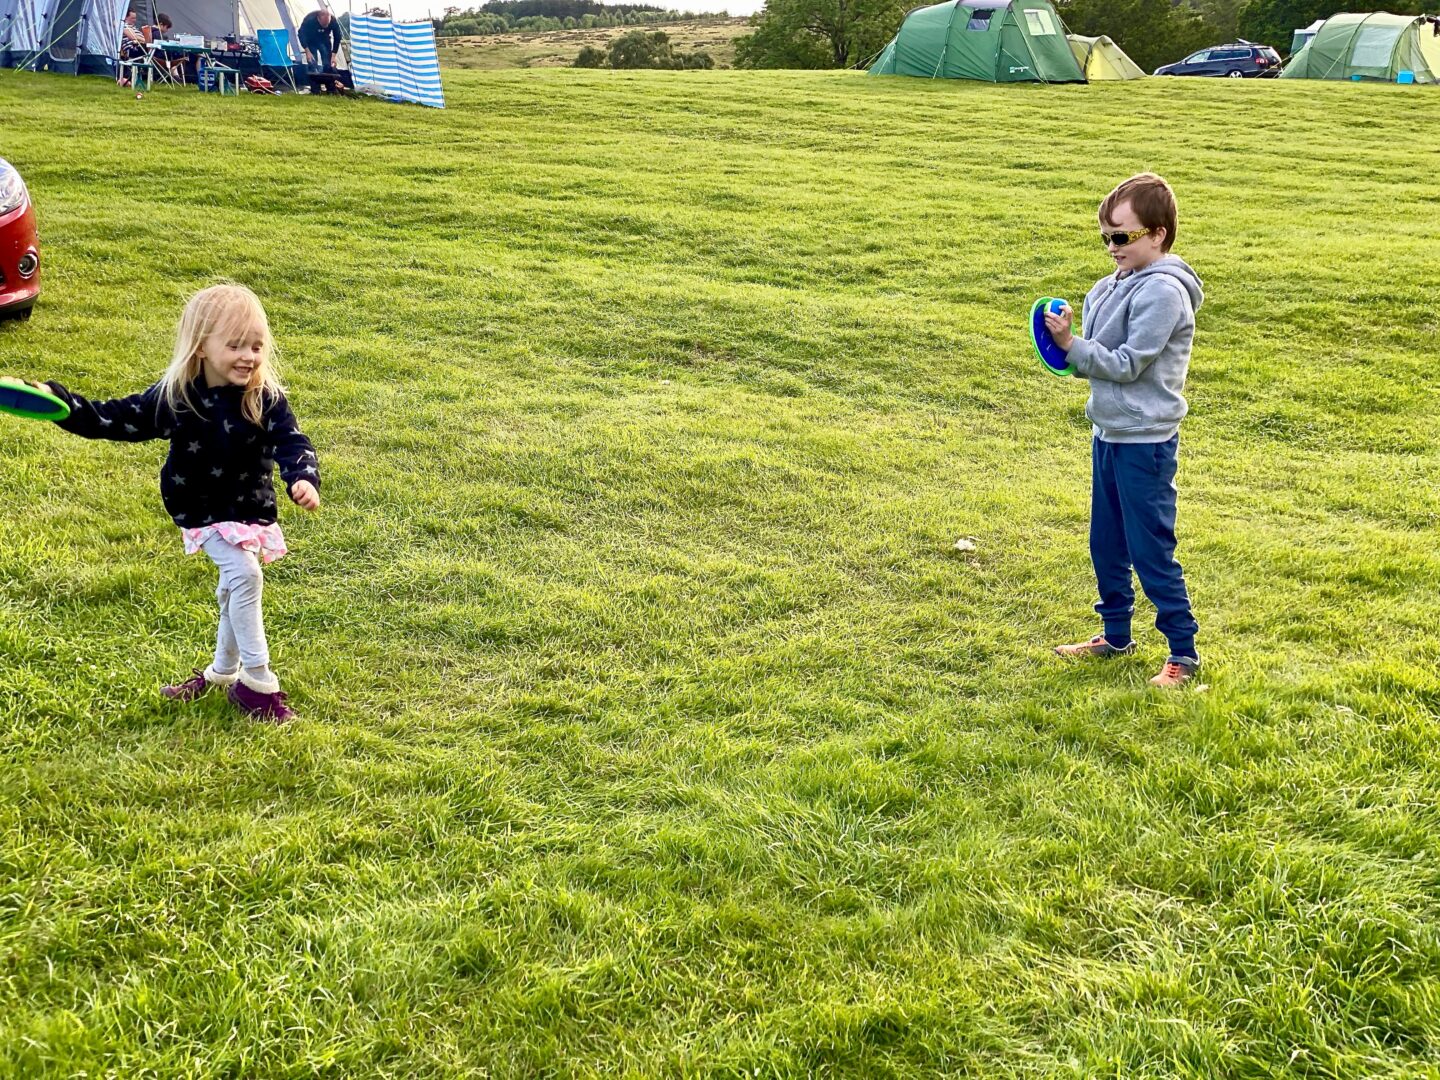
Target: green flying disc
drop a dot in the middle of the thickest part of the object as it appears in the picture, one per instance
(23, 400)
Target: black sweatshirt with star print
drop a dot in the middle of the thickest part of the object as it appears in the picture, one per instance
(220, 466)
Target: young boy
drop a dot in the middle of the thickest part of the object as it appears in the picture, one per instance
(1139, 324)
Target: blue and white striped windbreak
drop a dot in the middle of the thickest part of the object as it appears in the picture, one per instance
(395, 60)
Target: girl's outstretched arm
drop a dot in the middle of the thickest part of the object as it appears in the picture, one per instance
(130, 419)
(293, 452)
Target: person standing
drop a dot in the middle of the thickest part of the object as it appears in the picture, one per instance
(1139, 327)
(320, 38)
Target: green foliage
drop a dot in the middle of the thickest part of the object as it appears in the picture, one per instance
(1221, 19)
(641, 49)
(535, 16)
(781, 43)
(650, 724)
(818, 33)
(1152, 32)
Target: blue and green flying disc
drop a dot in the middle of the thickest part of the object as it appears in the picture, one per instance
(1050, 354)
(23, 400)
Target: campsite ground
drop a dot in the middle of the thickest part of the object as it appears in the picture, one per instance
(650, 723)
(558, 48)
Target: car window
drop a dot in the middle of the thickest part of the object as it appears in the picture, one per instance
(1230, 54)
(1197, 58)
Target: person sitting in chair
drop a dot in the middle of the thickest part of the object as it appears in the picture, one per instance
(320, 38)
(174, 66)
(132, 39)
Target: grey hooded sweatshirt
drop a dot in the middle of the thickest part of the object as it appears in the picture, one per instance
(1136, 350)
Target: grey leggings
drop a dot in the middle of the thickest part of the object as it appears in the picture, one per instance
(241, 640)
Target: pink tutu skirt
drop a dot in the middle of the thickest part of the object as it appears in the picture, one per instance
(266, 541)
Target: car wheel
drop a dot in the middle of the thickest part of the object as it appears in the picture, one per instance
(1237, 74)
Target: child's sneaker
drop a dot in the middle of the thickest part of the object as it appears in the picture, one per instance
(261, 706)
(1173, 674)
(195, 686)
(1096, 646)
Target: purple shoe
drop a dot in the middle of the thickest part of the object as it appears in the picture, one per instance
(270, 707)
(188, 690)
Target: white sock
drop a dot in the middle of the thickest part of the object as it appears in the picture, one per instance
(261, 680)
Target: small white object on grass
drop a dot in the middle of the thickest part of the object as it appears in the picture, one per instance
(964, 544)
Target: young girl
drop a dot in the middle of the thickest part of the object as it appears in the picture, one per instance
(224, 412)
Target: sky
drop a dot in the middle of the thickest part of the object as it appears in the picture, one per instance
(419, 9)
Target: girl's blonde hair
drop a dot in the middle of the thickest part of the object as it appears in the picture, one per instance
(227, 310)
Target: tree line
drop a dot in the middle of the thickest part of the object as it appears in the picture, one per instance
(846, 33)
(505, 16)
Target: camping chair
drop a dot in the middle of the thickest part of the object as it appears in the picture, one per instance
(135, 62)
(275, 53)
(131, 71)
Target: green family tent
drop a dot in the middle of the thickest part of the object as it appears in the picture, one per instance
(1102, 60)
(989, 40)
(1371, 45)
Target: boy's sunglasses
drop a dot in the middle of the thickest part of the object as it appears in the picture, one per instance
(1120, 239)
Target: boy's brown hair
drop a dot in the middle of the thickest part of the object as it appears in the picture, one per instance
(1153, 201)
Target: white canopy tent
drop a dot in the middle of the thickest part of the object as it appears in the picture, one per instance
(60, 31)
(83, 36)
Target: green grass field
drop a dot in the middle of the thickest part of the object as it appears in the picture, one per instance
(650, 724)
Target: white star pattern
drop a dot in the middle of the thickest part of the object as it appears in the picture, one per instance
(179, 481)
(105, 421)
(217, 473)
(131, 428)
(194, 448)
(227, 425)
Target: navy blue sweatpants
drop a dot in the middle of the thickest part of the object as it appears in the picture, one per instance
(1132, 524)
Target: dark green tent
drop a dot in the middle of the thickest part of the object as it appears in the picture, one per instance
(989, 40)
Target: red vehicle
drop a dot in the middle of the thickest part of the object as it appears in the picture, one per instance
(19, 247)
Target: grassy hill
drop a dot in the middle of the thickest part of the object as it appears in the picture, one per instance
(650, 724)
(558, 48)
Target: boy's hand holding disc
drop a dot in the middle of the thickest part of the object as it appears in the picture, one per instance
(30, 401)
(1050, 334)
(1059, 324)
